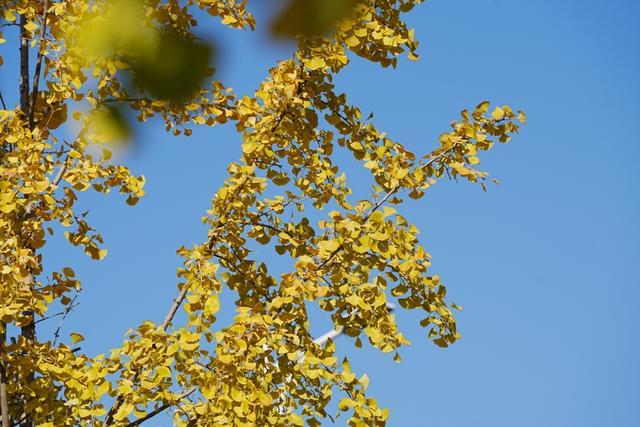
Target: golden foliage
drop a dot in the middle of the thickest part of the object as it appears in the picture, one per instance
(264, 368)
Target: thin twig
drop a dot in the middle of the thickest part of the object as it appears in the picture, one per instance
(397, 187)
(115, 100)
(56, 334)
(60, 313)
(384, 199)
(160, 409)
(65, 165)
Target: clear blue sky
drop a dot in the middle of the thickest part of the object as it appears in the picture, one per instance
(543, 265)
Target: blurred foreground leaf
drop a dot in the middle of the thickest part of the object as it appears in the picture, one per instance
(109, 125)
(173, 68)
(163, 60)
(117, 27)
(311, 17)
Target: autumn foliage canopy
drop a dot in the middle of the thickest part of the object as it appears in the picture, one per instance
(87, 64)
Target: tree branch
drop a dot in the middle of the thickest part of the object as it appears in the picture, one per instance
(397, 187)
(28, 331)
(174, 307)
(24, 67)
(384, 199)
(160, 409)
(36, 75)
(5, 417)
(185, 289)
(66, 312)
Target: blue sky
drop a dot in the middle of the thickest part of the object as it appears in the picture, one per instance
(543, 264)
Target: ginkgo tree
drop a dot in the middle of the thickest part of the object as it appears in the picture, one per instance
(84, 62)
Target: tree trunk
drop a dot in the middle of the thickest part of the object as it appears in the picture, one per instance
(5, 418)
(24, 67)
(28, 331)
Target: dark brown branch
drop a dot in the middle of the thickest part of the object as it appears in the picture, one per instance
(36, 75)
(116, 100)
(19, 421)
(60, 313)
(270, 227)
(24, 66)
(160, 409)
(28, 331)
(225, 259)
